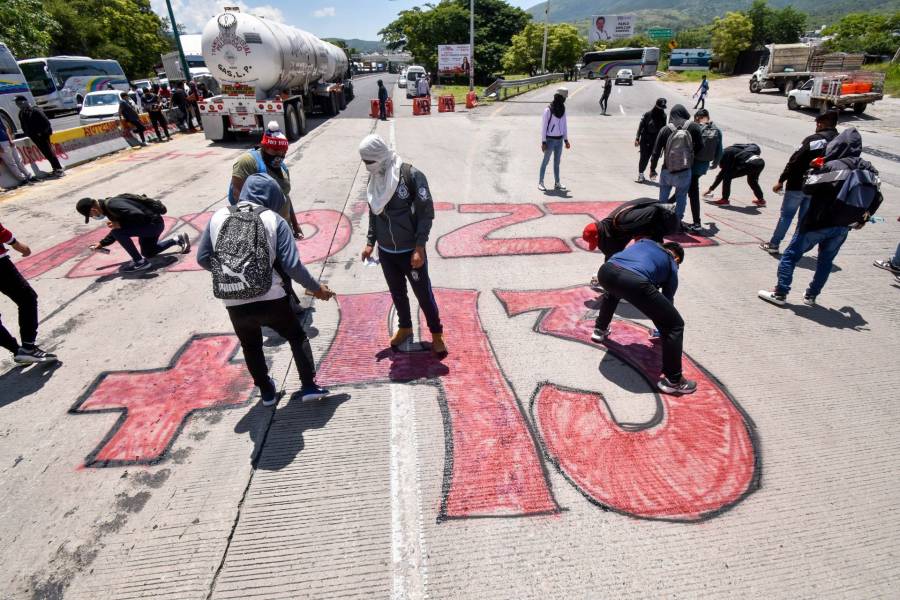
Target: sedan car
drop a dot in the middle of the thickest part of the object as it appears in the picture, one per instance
(98, 106)
(624, 76)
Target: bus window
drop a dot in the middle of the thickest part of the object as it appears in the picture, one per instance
(8, 64)
(38, 80)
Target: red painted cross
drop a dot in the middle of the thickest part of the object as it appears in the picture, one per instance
(155, 404)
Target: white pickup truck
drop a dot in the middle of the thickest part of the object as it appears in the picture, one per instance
(825, 91)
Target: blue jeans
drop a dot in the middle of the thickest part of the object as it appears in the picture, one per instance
(793, 200)
(555, 147)
(681, 181)
(829, 241)
(148, 238)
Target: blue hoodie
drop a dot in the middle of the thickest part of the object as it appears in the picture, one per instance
(652, 262)
(262, 190)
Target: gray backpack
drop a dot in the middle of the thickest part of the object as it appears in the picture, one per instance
(679, 149)
(711, 136)
(241, 265)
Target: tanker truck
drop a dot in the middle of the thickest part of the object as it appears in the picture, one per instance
(269, 71)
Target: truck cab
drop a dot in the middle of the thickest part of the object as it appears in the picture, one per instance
(801, 97)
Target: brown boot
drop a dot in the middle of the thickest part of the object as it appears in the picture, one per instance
(403, 334)
(437, 345)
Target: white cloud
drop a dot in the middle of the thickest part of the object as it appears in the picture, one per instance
(194, 14)
(325, 11)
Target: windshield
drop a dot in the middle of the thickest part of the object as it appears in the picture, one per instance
(101, 100)
(37, 78)
(413, 75)
(625, 72)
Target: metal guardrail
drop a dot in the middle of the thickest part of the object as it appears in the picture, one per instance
(502, 84)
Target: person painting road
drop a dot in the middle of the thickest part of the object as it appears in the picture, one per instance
(844, 192)
(739, 160)
(640, 218)
(401, 212)
(267, 158)
(16, 288)
(128, 216)
(794, 174)
(678, 143)
(250, 280)
(649, 127)
(555, 133)
(636, 275)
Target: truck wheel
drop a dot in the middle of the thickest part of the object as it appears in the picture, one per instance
(792, 103)
(342, 100)
(348, 91)
(331, 105)
(859, 108)
(754, 86)
(292, 123)
(301, 113)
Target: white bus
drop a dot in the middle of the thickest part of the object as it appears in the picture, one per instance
(12, 84)
(60, 83)
(643, 62)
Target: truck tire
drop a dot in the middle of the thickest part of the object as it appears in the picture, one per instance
(792, 103)
(348, 91)
(342, 100)
(331, 105)
(859, 108)
(292, 123)
(301, 113)
(755, 87)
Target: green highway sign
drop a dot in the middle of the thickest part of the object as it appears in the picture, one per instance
(660, 33)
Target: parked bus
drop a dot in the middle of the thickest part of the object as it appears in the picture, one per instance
(12, 84)
(60, 83)
(643, 62)
(690, 59)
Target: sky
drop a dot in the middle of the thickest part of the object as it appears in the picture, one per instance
(361, 19)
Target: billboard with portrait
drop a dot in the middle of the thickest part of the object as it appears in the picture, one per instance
(605, 28)
(454, 59)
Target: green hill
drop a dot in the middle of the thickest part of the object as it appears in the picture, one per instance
(685, 13)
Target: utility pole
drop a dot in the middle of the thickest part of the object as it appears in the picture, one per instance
(546, 29)
(472, 45)
(184, 65)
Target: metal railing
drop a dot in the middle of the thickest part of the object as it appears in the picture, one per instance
(501, 84)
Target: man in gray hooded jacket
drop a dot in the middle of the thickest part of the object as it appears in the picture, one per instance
(272, 308)
(672, 177)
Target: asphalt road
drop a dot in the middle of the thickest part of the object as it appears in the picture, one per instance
(530, 463)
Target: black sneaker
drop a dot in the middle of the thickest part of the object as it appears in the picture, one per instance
(33, 355)
(599, 336)
(694, 227)
(184, 240)
(809, 300)
(887, 265)
(681, 387)
(770, 248)
(141, 265)
(313, 392)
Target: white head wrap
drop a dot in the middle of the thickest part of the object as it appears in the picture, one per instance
(384, 175)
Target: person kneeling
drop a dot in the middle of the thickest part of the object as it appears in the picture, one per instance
(251, 252)
(636, 274)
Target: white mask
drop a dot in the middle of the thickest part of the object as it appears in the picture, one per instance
(373, 167)
(98, 217)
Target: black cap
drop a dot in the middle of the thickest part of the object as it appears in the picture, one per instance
(20, 99)
(661, 103)
(84, 207)
(676, 249)
(829, 116)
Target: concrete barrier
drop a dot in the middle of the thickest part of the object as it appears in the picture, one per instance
(80, 145)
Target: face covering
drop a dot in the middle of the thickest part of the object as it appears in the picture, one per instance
(384, 172)
(273, 161)
(98, 217)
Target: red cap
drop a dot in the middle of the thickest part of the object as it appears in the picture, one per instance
(275, 141)
(591, 235)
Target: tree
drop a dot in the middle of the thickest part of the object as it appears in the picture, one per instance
(786, 26)
(732, 34)
(865, 32)
(421, 30)
(125, 30)
(700, 37)
(565, 46)
(760, 15)
(27, 28)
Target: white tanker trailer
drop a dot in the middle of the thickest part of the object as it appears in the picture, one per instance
(269, 71)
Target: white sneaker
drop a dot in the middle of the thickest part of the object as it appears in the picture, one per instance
(771, 296)
(641, 178)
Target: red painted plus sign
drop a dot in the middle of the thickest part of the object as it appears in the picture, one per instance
(155, 404)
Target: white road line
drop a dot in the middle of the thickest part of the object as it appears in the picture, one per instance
(407, 534)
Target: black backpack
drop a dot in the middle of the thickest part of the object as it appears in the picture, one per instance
(151, 206)
(241, 261)
(849, 188)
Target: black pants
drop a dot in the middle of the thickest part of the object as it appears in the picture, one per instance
(13, 285)
(194, 108)
(148, 238)
(646, 151)
(694, 196)
(620, 283)
(43, 144)
(185, 120)
(382, 109)
(139, 129)
(701, 102)
(248, 321)
(159, 120)
(604, 100)
(753, 172)
(397, 269)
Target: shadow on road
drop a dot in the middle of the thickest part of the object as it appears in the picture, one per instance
(843, 318)
(808, 263)
(21, 382)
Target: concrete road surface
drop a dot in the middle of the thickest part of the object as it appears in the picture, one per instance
(529, 463)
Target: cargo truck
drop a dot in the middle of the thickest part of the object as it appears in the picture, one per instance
(269, 71)
(789, 66)
(825, 91)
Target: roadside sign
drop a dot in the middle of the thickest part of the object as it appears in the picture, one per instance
(660, 33)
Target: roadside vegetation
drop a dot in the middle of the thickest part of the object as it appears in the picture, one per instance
(891, 79)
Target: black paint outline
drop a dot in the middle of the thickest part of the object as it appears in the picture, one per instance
(90, 461)
(753, 485)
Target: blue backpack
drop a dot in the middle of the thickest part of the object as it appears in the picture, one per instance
(260, 168)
